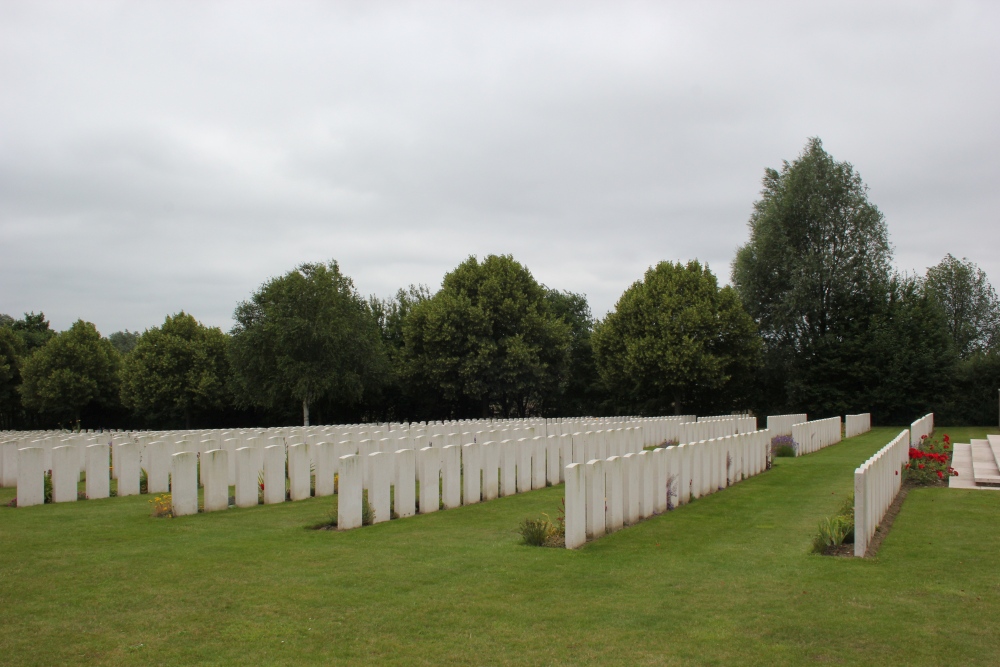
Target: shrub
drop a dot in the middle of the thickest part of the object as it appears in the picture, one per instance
(536, 532)
(783, 445)
(162, 506)
(48, 486)
(143, 481)
(930, 461)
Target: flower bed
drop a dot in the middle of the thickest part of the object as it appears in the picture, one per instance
(930, 461)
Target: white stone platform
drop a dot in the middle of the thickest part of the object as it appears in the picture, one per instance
(976, 464)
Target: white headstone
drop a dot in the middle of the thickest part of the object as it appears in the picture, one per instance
(299, 480)
(184, 483)
(98, 472)
(349, 493)
(215, 478)
(274, 474)
(404, 491)
(576, 505)
(246, 478)
(30, 476)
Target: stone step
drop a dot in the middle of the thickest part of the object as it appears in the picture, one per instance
(984, 464)
(994, 441)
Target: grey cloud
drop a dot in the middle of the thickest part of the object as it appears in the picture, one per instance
(162, 156)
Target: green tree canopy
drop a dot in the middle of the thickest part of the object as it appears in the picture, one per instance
(815, 270)
(72, 370)
(305, 336)
(34, 331)
(917, 359)
(969, 302)
(675, 340)
(582, 392)
(11, 349)
(175, 371)
(124, 341)
(487, 342)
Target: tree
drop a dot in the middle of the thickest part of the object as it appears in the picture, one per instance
(582, 386)
(486, 341)
(72, 370)
(398, 399)
(815, 271)
(176, 370)
(11, 349)
(674, 339)
(969, 302)
(124, 341)
(33, 330)
(917, 359)
(305, 336)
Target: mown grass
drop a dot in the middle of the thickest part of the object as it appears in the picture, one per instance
(726, 580)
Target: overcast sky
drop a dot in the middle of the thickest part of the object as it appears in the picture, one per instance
(166, 156)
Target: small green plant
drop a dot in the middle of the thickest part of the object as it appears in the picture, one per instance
(143, 481)
(832, 533)
(367, 511)
(536, 532)
(48, 486)
(836, 530)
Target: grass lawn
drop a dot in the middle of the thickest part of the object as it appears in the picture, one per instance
(727, 580)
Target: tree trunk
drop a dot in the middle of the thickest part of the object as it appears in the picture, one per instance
(305, 412)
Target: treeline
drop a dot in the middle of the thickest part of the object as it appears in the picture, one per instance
(816, 321)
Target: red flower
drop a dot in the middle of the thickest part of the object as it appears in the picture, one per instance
(946, 438)
(940, 474)
(923, 437)
(921, 466)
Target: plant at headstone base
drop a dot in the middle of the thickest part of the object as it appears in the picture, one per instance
(536, 532)
(48, 486)
(143, 481)
(836, 530)
(729, 465)
(930, 461)
(12, 503)
(783, 445)
(162, 506)
(367, 511)
(671, 492)
(260, 488)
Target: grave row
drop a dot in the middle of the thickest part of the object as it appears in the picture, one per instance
(921, 428)
(603, 495)
(815, 435)
(876, 484)
(384, 437)
(522, 464)
(782, 424)
(857, 424)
